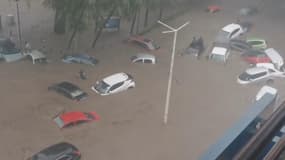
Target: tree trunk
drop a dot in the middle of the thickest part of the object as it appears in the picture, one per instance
(160, 9)
(133, 23)
(59, 22)
(98, 34)
(138, 21)
(75, 30)
(146, 17)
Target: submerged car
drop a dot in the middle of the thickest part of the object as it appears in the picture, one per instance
(257, 43)
(74, 118)
(220, 52)
(143, 42)
(229, 32)
(143, 58)
(80, 58)
(255, 56)
(8, 51)
(69, 90)
(113, 84)
(262, 71)
(36, 57)
(60, 151)
(239, 45)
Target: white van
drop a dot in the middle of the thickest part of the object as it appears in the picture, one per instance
(275, 57)
(220, 52)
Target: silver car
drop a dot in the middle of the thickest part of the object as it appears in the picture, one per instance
(80, 58)
(143, 58)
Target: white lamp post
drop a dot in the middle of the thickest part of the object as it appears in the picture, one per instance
(19, 24)
(165, 118)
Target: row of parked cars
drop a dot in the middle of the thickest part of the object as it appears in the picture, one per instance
(112, 84)
(265, 63)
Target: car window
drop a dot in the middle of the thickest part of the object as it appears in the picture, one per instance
(147, 61)
(258, 75)
(234, 32)
(65, 157)
(255, 42)
(115, 86)
(139, 61)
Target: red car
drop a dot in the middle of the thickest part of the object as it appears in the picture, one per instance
(213, 9)
(73, 118)
(255, 56)
(143, 42)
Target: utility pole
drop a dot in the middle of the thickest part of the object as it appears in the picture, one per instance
(171, 66)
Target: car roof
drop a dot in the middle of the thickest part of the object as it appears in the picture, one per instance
(115, 78)
(219, 50)
(231, 27)
(145, 55)
(256, 70)
(275, 57)
(68, 86)
(265, 89)
(69, 117)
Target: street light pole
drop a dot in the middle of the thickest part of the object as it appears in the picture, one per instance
(165, 118)
(19, 25)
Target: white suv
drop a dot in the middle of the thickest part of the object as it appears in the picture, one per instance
(113, 84)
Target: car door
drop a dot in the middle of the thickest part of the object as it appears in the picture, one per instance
(260, 76)
(116, 87)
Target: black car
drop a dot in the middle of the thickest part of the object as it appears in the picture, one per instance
(60, 151)
(239, 45)
(69, 90)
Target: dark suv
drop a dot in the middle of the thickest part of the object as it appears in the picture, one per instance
(69, 90)
(60, 151)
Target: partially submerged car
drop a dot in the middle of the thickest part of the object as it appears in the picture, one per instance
(74, 118)
(275, 58)
(36, 56)
(60, 151)
(255, 56)
(229, 32)
(262, 71)
(69, 90)
(248, 11)
(257, 43)
(213, 8)
(143, 58)
(113, 84)
(80, 58)
(195, 48)
(264, 90)
(8, 51)
(143, 42)
(239, 45)
(220, 52)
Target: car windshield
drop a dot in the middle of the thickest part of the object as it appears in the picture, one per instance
(89, 116)
(102, 87)
(76, 93)
(59, 122)
(244, 76)
(222, 36)
(219, 58)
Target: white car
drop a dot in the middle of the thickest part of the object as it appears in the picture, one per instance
(229, 32)
(220, 52)
(113, 84)
(143, 58)
(262, 71)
